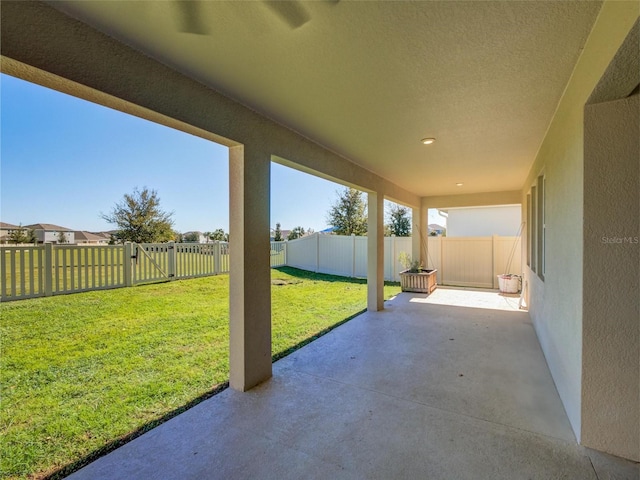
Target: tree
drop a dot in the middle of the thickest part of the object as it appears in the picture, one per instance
(277, 237)
(218, 235)
(22, 235)
(140, 219)
(349, 214)
(399, 220)
(191, 237)
(295, 233)
(62, 237)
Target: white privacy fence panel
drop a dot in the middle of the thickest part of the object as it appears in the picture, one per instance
(434, 256)
(467, 261)
(460, 261)
(303, 253)
(474, 261)
(393, 247)
(507, 256)
(361, 257)
(337, 256)
(344, 255)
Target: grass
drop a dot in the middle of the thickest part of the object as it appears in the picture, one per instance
(82, 373)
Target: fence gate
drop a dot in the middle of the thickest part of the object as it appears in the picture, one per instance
(150, 262)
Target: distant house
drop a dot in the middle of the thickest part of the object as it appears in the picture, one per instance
(284, 233)
(48, 233)
(435, 229)
(6, 229)
(195, 237)
(503, 220)
(88, 238)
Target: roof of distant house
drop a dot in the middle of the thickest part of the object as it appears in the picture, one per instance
(435, 226)
(8, 225)
(48, 226)
(106, 235)
(88, 236)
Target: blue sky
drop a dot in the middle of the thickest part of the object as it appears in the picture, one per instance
(65, 160)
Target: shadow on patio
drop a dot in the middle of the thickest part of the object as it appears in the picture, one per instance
(419, 390)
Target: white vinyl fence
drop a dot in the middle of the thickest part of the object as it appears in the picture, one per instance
(45, 270)
(474, 261)
(462, 261)
(344, 256)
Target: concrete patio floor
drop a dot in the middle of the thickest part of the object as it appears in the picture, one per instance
(421, 390)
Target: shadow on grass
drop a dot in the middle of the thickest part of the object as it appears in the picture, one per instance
(118, 442)
(306, 275)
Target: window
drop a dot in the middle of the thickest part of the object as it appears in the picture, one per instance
(540, 223)
(536, 231)
(528, 207)
(533, 234)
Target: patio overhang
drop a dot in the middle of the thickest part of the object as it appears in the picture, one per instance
(348, 95)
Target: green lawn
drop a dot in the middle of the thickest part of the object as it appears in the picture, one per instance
(82, 372)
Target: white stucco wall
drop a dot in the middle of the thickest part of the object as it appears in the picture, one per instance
(556, 303)
(501, 220)
(611, 343)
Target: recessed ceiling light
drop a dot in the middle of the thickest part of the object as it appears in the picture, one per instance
(428, 141)
(459, 184)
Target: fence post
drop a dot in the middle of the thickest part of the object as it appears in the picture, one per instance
(285, 253)
(127, 264)
(494, 262)
(171, 261)
(216, 257)
(392, 253)
(48, 269)
(353, 255)
(317, 252)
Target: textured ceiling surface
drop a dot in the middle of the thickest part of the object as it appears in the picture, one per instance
(368, 80)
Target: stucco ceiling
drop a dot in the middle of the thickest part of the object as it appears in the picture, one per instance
(370, 79)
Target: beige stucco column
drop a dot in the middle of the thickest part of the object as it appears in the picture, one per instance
(419, 234)
(375, 252)
(249, 281)
(611, 278)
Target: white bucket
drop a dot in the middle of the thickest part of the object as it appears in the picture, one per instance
(509, 283)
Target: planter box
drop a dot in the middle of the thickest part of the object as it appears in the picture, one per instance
(422, 282)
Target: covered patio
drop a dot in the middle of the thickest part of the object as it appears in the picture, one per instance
(420, 389)
(430, 105)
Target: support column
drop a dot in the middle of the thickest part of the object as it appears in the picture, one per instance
(375, 252)
(419, 235)
(250, 276)
(611, 278)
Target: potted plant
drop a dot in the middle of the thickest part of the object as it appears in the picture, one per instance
(414, 278)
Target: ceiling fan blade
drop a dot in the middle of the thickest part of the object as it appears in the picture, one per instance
(293, 13)
(191, 18)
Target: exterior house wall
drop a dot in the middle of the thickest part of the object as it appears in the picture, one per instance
(484, 221)
(555, 303)
(51, 236)
(611, 343)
